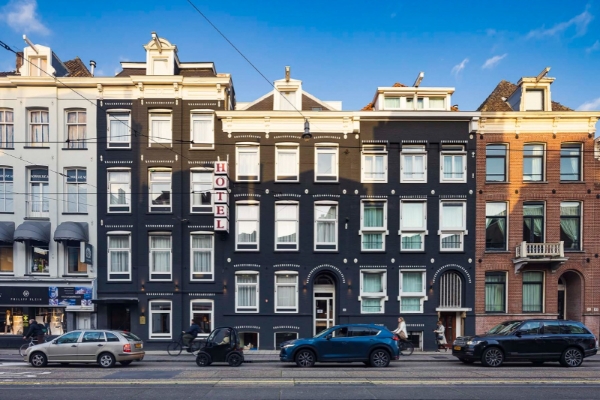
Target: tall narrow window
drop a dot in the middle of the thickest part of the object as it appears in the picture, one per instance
(570, 162)
(374, 163)
(373, 225)
(495, 162)
(533, 162)
(373, 292)
(39, 202)
(247, 226)
(287, 160)
(159, 183)
(326, 163)
(6, 258)
(286, 226)
(76, 182)
(326, 220)
(203, 133)
(287, 101)
(533, 284)
(39, 257)
(534, 100)
(570, 225)
(412, 291)
(495, 292)
(38, 66)
(202, 186)
(6, 190)
(247, 163)
(246, 291)
(533, 222)
(119, 131)
(453, 164)
(119, 257)
(203, 315)
(495, 226)
(39, 128)
(74, 265)
(76, 129)
(7, 129)
(413, 164)
(119, 190)
(202, 257)
(160, 257)
(161, 323)
(160, 129)
(286, 291)
(413, 225)
(452, 226)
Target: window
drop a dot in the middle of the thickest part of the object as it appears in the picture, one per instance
(326, 226)
(533, 283)
(71, 337)
(533, 222)
(286, 226)
(373, 225)
(160, 66)
(160, 129)
(326, 163)
(373, 292)
(452, 225)
(119, 131)
(39, 203)
(533, 162)
(93, 337)
(413, 164)
(160, 319)
(451, 293)
(551, 328)
(38, 66)
(249, 340)
(7, 129)
(412, 291)
(203, 313)
(281, 337)
(413, 225)
(76, 129)
(534, 100)
(6, 190)
(202, 186)
(287, 101)
(39, 129)
(76, 201)
(203, 133)
(530, 328)
(495, 162)
(160, 189)
(6, 258)
(495, 292)
(570, 162)
(437, 103)
(247, 226)
(246, 291)
(495, 226)
(286, 291)
(248, 163)
(570, 225)
(574, 328)
(119, 257)
(160, 257)
(287, 163)
(202, 257)
(374, 164)
(72, 251)
(453, 164)
(392, 103)
(39, 257)
(119, 191)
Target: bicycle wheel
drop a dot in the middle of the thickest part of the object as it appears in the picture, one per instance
(23, 348)
(174, 348)
(408, 349)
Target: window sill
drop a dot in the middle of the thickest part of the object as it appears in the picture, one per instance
(7, 148)
(574, 251)
(7, 212)
(37, 218)
(159, 212)
(36, 147)
(72, 148)
(118, 148)
(497, 252)
(201, 148)
(495, 312)
(536, 182)
(70, 213)
(75, 276)
(42, 274)
(572, 182)
(497, 182)
(337, 182)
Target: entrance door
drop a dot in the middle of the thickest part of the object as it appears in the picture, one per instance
(449, 322)
(324, 311)
(118, 317)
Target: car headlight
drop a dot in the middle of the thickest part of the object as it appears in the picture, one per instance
(474, 342)
(287, 345)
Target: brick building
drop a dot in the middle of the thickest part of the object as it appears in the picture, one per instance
(537, 208)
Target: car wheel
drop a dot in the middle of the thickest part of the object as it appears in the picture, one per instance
(202, 360)
(492, 357)
(38, 359)
(380, 358)
(106, 360)
(125, 363)
(571, 357)
(235, 360)
(537, 362)
(466, 361)
(305, 359)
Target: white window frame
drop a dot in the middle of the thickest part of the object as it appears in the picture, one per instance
(326, 246)
(164, 63)
(247, 310)
(428, 106)
(202, 249)
(124, 144)
(381, 230)
(212, 313)
(202, 208)
(239, 218)
(530, 99)
(127, 194)
(30, 124)
(81, 190)
(152, 250)
(39, 66)
(150, 312)
(453, 153)
(202, 115)
(382, 296)
(444, 231)
(422, 230)
(422, 295)
(283, 246)
(287, 310)
(247, 148)
(42, 198)
(371, 150)
(108, 261)
(160, 115)
(287, 148)
(7, 190)
(7, 128)
(327, 148)
(411, 151)
(157, 208)
(79, 142)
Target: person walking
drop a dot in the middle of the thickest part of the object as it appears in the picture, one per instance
(440, 338)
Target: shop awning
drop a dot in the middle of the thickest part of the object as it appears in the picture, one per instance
(76, 231)
(33, 230)
(7, 231)
(116, 300)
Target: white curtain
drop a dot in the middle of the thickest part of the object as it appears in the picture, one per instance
(412, 282)
(39, 197)
(248, 163)
(410, 304)
(414, 167)
(119, 259)
(413, 215)
(326, 218)
(160, 247)
(374, 167)
(287, 163)
(452, 216)
(246, 290)
(286, 290)
(392, 102)
(161, 131)
(286, 217)
(6, 196)
(202, 253)
(372, 283)
(119, 127)
(202, 130)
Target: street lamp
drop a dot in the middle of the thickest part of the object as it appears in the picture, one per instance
(306, 135)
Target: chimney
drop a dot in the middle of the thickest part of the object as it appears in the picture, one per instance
(287, 74)
(92, 66)
(19, 60)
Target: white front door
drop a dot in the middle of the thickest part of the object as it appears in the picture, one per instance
(324, 307)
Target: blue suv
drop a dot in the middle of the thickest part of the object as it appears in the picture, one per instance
(372, 344)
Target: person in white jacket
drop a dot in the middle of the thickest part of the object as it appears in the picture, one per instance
(401, 328)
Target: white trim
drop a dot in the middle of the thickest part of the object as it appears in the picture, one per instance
(422, 295)
(421, 230)
(247, 309)
(161, 249)
(212, 313)
(108, 183)
(212, 257)
(296, 204)
(382, 296)
(374, 150)
(290, 148)
(150, 312)
(327, 148)
(415, 152)
(337, 209)
(160, 115)
(287, 310)
(462, 231)
(108, 260)
(383, 230)
(237, 230)
(255, 149)
(201, 170)
(544, 162)
(453, 153)
(202, 115)
(150, 192)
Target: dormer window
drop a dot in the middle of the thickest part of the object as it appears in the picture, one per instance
(534, 100)
(436, 103)
(160, 66)
(408, 103)
(288, 101)
(38, 66)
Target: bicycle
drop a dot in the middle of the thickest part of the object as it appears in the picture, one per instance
(176, 346)
(25, 346)
(406, 347)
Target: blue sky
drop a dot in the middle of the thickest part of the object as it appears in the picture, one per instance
(342, 50)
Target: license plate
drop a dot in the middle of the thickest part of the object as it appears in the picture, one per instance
(138, 345)
(457, 348)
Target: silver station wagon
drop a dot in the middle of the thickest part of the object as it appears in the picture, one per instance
(88, 346)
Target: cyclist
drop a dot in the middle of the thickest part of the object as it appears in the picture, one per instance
(401, 331)
(35, 331)
(190, 334)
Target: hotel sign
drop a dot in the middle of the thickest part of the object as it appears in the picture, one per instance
(221, 198)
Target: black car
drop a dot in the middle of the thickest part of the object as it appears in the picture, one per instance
(535, 340)
(222, 345)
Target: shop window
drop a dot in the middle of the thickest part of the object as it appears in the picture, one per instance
(412, 291)
(160, 257)
(203, 314)
(287, 159)
(416, 338)
(246, 292)
(159, 184)
(249, 340)
(202, 257)
(76, 183)
(6, 190)
(119, 191)
(6, 258)
(281, 337)
(7, 129)
(74, 266)
(39, 128)
(326, 226)
(76, 129)
(286, 291)
(373, 225)
(203, 133)
(39, 257)
(202, 186)
(161, 133)
(160, 319)
(119, 131)
(373, 292)
(286, 226)
(326, 163)
(247, 226)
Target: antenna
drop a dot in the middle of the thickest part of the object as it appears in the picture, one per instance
(30, 44)
(419, 79)
(542, 74)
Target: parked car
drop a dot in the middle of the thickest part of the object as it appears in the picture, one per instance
(372, 344)
(88, 346)
(222, 345)
(535, 340)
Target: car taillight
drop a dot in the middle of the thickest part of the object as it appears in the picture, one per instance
(396, 337)
(127, 348)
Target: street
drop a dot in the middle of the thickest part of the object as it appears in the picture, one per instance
(402, 380)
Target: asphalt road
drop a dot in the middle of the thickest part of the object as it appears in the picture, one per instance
(415, 380)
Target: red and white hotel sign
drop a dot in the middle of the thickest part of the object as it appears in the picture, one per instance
(221, 198)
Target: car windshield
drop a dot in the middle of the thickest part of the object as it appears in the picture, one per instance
(504, 328)
(131, 337)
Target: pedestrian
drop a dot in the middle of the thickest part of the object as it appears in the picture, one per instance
(440, 338)
(35, 331)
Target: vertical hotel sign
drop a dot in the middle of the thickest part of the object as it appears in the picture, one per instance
(221, 199)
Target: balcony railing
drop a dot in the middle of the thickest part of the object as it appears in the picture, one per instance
(544, 250)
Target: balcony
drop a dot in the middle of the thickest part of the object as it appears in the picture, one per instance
(552, 254)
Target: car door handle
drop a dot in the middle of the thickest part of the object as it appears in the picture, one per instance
(100, 345)
(73, 345)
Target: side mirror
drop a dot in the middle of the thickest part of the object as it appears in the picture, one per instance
(328, 337)
(519, 333)
(55, 341)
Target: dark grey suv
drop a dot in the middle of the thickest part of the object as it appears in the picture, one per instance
(535, 340)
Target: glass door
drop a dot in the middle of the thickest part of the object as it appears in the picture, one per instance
(323, 311)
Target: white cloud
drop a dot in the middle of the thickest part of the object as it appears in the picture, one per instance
(459, 67)
(590, 105)
(594, 47)
(492, 62)
(22, 16)
(580, 22)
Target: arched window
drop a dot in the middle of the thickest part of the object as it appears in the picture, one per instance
(451, 290)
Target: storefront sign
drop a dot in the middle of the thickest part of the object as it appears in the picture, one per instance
(221, 208)
(46, 296)
(70, 296)
(86, 253)
(23, 295)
